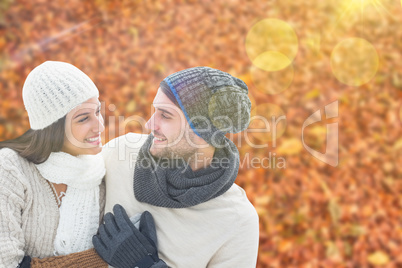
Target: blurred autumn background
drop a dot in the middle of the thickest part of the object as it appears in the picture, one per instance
(324, 199)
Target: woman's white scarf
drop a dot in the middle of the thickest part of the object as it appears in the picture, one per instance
(79, 211)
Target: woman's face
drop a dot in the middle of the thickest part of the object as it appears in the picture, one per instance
(84, 125)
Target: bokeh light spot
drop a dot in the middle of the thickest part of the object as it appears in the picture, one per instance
(270, 35)
(268, 123)
(354, 61)
(272, 82)
(400, 114)
(352, 6)
(272, 61)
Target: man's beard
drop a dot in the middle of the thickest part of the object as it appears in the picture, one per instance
(181, 150)
(175, 153)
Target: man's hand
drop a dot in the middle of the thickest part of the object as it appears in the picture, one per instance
(122, 245)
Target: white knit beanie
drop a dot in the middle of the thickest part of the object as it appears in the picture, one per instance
(53, 89)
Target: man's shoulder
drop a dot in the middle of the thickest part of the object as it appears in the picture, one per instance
(238, 197)
(235, 202)
(120, 156)
(123, 146)
(134, 140)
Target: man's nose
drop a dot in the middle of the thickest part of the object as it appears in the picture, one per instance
(152, 124)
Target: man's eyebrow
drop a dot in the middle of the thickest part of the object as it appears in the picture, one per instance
(164, 110)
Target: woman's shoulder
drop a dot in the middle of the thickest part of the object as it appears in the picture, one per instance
(13, 169)
(9, 155)
(10, 160)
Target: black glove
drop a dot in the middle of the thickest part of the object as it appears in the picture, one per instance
(25, 263)
(121, 245)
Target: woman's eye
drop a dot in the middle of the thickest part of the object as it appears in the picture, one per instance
(164, 116)
(98, 112)
(83, 119)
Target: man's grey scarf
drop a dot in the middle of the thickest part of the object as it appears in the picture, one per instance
(179, 187)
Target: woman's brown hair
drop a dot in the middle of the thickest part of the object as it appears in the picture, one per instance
(36, 145)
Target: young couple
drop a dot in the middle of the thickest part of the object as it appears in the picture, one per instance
(172, 192)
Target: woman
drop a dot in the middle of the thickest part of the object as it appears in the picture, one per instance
(52, 195)
(52, 192)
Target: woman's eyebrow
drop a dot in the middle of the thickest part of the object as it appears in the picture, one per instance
(80, 115)
(86, 112)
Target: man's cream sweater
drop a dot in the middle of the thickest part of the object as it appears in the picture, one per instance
(29, 214)
(222, 232)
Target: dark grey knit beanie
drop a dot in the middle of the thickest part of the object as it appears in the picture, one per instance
(214, 102)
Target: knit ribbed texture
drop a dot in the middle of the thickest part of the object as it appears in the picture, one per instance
(180, 187)
(53, 89)
(29, 214)
(84, 259)
(213, 102)
(79, 211)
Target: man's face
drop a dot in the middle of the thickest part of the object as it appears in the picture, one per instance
(173, 137)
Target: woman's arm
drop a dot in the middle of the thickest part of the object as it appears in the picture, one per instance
(88, 258)
(12, 240)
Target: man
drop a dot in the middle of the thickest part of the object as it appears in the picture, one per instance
(183, 173)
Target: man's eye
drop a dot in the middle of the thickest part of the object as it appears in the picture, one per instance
(83, 119)
(164, 116)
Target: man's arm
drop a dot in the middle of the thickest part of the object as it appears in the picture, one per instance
(241, 249)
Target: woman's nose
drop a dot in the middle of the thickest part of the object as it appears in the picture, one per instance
(99, 124)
